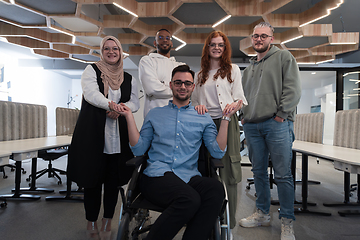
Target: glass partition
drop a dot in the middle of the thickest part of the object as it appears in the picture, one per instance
(351, 92)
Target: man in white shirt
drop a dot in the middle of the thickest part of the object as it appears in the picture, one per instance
(155, 72)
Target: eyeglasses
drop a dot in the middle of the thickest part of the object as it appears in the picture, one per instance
(179, 83)
(263, 37)
(168, 38)
(114, 49)
(220, 45)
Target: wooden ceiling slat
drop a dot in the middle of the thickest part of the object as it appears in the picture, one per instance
(319, 10)
(138, 50)
(70, 49)
(282, 20)
(155, 9)
(129, 38)
(130, 5)
(300, 53)
(345, 37)
(235, 30)
(28, 42)
(334, 49)
(117, 21)
(51, 53)
(268, 7)
(318, 30)
(34, 37)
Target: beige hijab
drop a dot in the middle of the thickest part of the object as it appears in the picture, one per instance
(112, 75)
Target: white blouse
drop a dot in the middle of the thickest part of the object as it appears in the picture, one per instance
(215, 95)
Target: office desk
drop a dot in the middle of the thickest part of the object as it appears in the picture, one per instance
(346, 157)
(28, 148)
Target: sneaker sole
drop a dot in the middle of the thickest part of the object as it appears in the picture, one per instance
(262, 224)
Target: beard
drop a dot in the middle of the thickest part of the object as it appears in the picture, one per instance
(181, 98)
(162, 50)
(264, 48)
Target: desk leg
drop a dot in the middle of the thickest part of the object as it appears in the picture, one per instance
(304, 189)
(347, 197)
(293, 171)
(17, 194)
(33, 187)
(68, 196)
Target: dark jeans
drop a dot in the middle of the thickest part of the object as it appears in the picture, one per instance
(196, 204)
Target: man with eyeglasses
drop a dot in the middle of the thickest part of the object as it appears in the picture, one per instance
(171, 179)
(155, 72)
(272, 87)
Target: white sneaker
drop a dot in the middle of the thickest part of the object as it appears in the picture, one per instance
(256, 219)
(287, 230)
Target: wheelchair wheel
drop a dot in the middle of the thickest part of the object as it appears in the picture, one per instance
(139, 225)
(123, 230)
(216, 233)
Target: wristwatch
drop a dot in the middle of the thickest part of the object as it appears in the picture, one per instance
(226, 118)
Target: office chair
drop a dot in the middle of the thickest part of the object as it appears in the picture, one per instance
(12, 168)
(271, 177)
(4, 203)
(50, 155)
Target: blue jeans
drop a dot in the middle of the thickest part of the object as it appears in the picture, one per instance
(275, 138)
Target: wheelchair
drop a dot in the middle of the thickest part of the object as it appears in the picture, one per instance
(135, 218)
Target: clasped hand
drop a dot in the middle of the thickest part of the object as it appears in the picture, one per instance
(229, 109)
(117, 110)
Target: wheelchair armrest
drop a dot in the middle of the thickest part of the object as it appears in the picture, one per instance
(216, 163)
(136, 161)
(132, 191)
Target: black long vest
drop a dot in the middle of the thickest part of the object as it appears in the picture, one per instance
(85, 159)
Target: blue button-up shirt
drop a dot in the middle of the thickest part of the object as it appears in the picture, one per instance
(175, 136)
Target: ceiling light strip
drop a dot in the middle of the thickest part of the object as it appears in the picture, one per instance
(329, 60)
(343, 43)
(128, 11)
(292, 39)
(182, 45)
(221, 21)
(306, 63)
(350, 73)
(327, 14)
(356, 81)
(79, 60)
(4, 39)
(12, 1)
(126, 54)
(69, 34)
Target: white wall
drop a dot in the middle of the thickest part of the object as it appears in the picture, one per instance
(307, 100)
(327, 101)
(36, 86)
(76, 92)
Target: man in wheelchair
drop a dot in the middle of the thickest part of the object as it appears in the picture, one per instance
(173, 134)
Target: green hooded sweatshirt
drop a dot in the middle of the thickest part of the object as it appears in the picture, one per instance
(271, 86)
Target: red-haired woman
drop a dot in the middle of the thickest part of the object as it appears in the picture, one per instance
(218, 88)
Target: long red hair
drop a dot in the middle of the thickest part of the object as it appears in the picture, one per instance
(225, 60)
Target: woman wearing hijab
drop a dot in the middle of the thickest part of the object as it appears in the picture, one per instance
(100, 144)
(218, 88)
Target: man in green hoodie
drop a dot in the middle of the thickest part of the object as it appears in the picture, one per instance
(272, 87)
